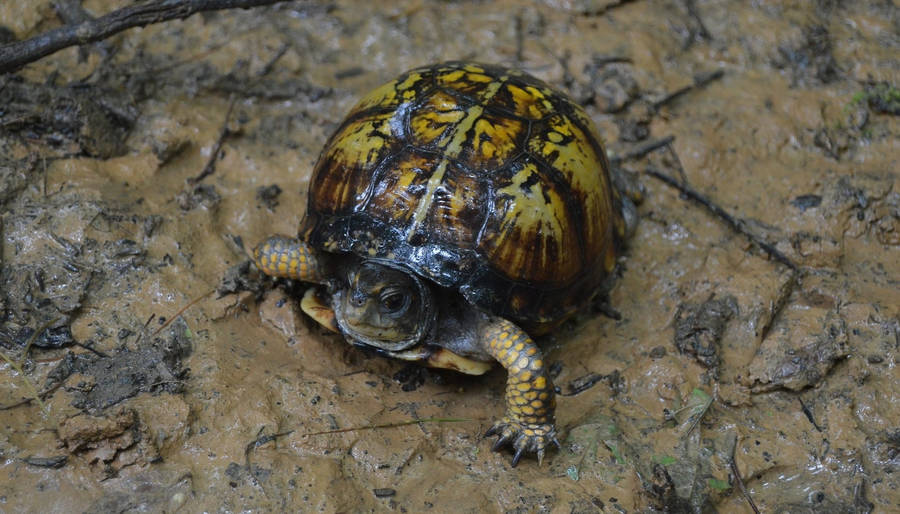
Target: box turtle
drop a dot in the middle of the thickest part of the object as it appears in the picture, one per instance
(456, 210)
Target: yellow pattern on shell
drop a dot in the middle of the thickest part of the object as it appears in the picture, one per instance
(452, 143)
(528, 230)
(362, 144)
(496, 140)
(387, 94)
(568, 149)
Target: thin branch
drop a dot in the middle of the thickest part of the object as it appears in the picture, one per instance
(599, 11)
(642, 149)
(43, 395)
(736, 473)
(144, 330)
(15, 55)
(603, 60)
(678, 166)
(809, 414)
(699, 81)
(34, 336)
(691, 7)
(520, 39)
(210, 167)
(261, 440)
(387, 425)
(782, 299)
(736, 224)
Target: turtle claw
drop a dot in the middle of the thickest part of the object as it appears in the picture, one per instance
(525, 438)
(517, 456)
(502, 440)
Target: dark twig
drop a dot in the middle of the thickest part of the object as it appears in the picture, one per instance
(782, 299)
(269, 66)
(210, 167)
(386, 425)
(603, 60)
(520, 39)
(602, 10)
(678, 166)
(91, 349)
(15, 55)
(808, 413)
(47, 462)
(860, 503)
(642, 149)
(34, 337)
(736, 224)
(144, 329)
(582, 384)
(699, 81)
(71, 12)
(737, 477)
(261, 440)
(691, 7)
(25, 401)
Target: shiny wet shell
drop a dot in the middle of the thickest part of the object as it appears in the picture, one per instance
(480, 178)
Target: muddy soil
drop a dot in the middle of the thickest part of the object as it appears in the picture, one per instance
(713, 376)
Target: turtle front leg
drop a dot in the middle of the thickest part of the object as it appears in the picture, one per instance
(530, 400)
(289, 257)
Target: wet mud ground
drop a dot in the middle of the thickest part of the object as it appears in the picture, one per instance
(712, 374)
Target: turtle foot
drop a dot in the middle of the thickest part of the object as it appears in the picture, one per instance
(523, 437)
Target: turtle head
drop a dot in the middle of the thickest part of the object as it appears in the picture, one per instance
(383, 304)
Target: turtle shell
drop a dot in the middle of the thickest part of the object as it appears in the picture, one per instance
(480, 178)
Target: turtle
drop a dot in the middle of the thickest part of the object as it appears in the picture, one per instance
(457, 211)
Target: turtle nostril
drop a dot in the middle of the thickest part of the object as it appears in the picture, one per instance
(357, 299)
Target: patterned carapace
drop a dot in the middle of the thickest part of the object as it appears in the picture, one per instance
(480, 178)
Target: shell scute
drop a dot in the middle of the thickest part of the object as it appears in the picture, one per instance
(344, 170)
(527, 231)
(568, 150)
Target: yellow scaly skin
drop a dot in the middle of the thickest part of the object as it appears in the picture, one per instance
(288, 257)
(529, 423)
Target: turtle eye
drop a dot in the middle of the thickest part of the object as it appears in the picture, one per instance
(394, 301)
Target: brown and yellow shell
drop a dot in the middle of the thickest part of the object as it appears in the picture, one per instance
(481, 178)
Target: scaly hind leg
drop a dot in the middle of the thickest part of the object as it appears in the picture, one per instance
(530, 399)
